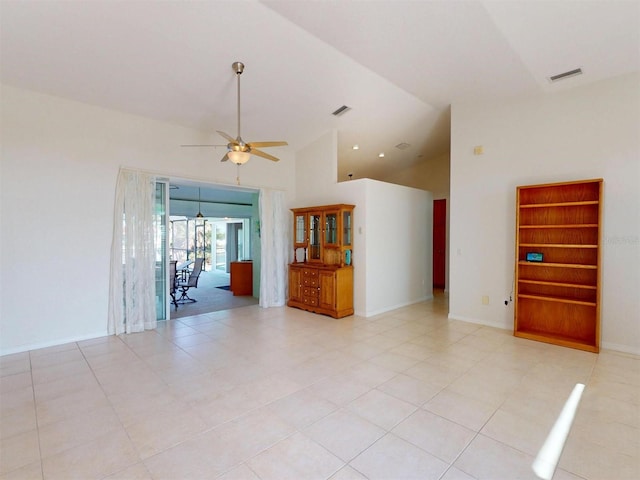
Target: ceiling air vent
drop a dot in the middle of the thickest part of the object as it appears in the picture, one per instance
(402, 146)
(340, 111)
(562, 76)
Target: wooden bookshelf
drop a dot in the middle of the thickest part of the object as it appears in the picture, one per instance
(557, 300)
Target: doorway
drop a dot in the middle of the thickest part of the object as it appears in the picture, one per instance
(439, 242)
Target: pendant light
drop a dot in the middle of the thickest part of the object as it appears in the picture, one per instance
(199, 215)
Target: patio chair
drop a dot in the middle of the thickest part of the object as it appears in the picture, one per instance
(172, 281)
(191, 282)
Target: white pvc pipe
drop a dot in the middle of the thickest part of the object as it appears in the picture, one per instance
(545, 463)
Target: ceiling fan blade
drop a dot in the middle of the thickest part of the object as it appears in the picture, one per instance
(227, 136)
(225, 158)
(264, 155)
(205, 145)
(267, 144)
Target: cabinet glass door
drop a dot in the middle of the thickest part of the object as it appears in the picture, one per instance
(331, 228)
(300, 229)
(315, 230)
(346, 229)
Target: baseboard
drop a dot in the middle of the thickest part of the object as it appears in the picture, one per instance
(395, 307)
(453, 316)
(53, 343)
(616, 347)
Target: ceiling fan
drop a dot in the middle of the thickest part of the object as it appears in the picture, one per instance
(238, 151)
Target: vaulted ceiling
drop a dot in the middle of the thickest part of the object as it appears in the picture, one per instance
(398, 65)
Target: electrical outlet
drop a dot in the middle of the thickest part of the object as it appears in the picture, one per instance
(485, 299)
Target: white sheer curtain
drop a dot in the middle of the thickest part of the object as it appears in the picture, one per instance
(132, 286)
(273, 248)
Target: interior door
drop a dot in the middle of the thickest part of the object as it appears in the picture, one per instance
(439, 242)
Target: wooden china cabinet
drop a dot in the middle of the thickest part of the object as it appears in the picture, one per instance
(321, 275)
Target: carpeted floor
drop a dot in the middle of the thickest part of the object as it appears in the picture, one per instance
(211, 298)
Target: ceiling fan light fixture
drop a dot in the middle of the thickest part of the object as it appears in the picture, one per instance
(238, 157)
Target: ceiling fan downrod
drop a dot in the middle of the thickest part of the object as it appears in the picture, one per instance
(238, 67)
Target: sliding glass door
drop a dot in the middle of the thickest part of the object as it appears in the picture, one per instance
(160, 234)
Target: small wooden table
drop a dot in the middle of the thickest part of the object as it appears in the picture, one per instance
(241, 278)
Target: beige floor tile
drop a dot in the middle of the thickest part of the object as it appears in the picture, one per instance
(105, 455)
(518, 432)
(271, 388)
(436, 375)
(32, 471)
(302, 408)
(134, 472)
(295, 457)
(394, 458)
(66, 386)
(409, 389)
(75, 403)
(489, 459)
(19, 451)
(227, 406)
(454, 474)
(347, 473)
(339, 389)
(14, 364)
(16, 401)
(614, 436)
(413, 350)
(199, 389)
(249, 435)
(383, 342)
(18, 420)
(241, 472)
(607, 409)
(604, 385)
(49, 360)
(370, 374)
(15, 382)
(466, 411)
(436, 435)
(153, 434)
(77, 429)
(51, 373)
(356, 434)
(201, 457)
(394, 361)
(133, 407)
(589, 460)
(381, 409)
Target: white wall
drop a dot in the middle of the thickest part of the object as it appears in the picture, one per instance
(59, 166)
(589, 132)
(392, 229)
(432, 175)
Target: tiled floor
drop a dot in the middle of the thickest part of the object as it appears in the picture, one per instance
(281, 394)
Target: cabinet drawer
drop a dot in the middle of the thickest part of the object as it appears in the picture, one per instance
(310, 291)
(309, 282)
(312, 301)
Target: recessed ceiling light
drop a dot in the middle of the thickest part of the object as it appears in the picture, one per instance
(381, 155)
(356, 147)
(402, 146)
